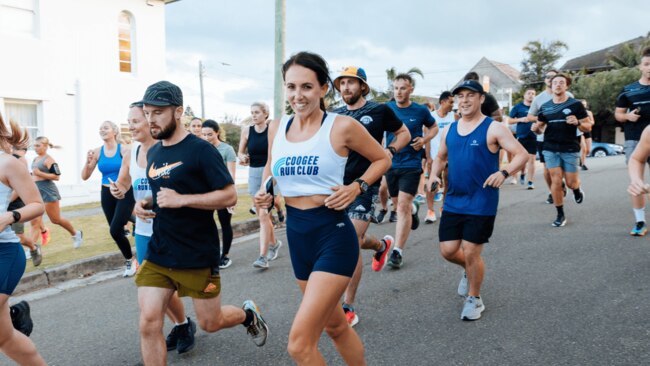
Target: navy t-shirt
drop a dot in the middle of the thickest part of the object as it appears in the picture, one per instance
(376, 118)
(415, 116)
(523, 128)
(560, 136)
(635, 96)
(185, 237)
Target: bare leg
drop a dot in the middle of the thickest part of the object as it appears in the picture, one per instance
(212, 316)
(54, 213)
(153, 303)
(267, 233)
(13, 343)
(175, 309)
(404, 219)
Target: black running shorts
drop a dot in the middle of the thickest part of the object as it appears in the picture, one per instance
(472, 228)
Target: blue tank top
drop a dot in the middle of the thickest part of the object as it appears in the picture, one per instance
(110, 167)
(470, 163)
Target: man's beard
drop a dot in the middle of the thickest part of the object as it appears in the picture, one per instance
(165, 133)
(351, 100)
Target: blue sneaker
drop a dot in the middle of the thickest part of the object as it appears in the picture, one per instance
(639, 229)
(438, 197)
(420, 199)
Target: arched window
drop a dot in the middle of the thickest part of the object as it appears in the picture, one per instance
(125, 38)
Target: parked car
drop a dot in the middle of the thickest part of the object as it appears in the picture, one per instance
(601, 149)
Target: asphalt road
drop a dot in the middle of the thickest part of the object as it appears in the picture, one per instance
(577, 295)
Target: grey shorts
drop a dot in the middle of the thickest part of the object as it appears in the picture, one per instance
(48, 191)
(255, 181)
(628, 149)
(568, 161)
(18, 228)
(364, 205)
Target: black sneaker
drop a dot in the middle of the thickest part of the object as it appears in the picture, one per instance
(415, 219)
(380, 217)
(257, 329)
(584, 167)
(172, 339)
(280, 215)
(20, 318)
(559, 221)
(395, 260)
(252, 210)
(549, 200)
(393, 216)
(225, 262)
(579, 197)
(185, 336)
(373, 218)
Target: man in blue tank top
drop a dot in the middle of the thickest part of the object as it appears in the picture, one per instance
(403, 177)
(471, 149)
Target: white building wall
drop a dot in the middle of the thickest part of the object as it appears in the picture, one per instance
(71, 67)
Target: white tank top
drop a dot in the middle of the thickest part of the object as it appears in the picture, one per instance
(7, 235)
(309, 167)
(141, 189)
(442, 124)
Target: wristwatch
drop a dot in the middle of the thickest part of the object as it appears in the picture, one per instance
(16, 215)
(392, 150)
(362, 185)
(505, 173)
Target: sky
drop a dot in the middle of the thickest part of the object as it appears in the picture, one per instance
(235, 40)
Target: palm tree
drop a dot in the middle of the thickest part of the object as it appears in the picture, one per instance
(628, 54)
(390, 77)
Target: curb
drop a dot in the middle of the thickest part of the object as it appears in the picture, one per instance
(87, 267)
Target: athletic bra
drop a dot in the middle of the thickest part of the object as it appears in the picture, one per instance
(141, 189)
(40, 164)
(308, 167)
(7, 235)
(110, 167)
(258, 147)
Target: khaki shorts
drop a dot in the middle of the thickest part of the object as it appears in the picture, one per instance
(195, 283)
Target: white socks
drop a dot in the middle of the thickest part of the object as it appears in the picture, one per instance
(639, 214)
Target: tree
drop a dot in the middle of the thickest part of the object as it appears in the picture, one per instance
(628, 55)
(540, 58)
(390, 78)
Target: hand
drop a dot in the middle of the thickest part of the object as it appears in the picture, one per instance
(168, 198)
(638, 187)
(417, 143)
(263, 199)
(116, 191)
(633, 116)
(91, 159)
(433, 179)
(244, 159)
(342, 197)
(495, 180)
(572, 120)
(142, 212)
(5, 220)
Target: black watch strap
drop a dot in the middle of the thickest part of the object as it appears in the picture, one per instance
(363, 186)
(505, 173)
(16, 216)
(392, 150)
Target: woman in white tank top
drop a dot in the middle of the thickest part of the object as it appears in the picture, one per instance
(15, 176)
(307, 156)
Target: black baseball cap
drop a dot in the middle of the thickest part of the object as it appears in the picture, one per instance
(470, 85)
(445, 95)
(163, 93)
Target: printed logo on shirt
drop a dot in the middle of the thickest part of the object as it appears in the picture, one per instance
(474, 143)
(141, 184)
(566, 111)
(412, 119)
(296, 165)
(163, 171)
(365, 120)
(340, 225)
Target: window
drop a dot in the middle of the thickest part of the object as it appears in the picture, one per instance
(25, 113)
(18, 17)
(125, 41)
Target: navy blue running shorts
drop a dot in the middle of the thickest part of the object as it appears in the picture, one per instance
(321, 239)
(472, 228)
(12, 266)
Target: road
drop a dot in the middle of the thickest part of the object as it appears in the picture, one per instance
(576, 295)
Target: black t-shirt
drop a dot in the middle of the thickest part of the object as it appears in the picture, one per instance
(376, 118)
(560, 136)
(489, 105)
(185, 237)
(635, 96)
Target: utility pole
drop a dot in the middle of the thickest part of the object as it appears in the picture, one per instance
(201, 73)
(278, 90)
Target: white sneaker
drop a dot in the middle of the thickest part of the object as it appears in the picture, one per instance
(77, 239)
(431, 217)
(274, 250)
(513, 181)
(131, 267)
(463, 286)
(472, 309)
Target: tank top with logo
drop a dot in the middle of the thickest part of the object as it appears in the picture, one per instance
(141, 189)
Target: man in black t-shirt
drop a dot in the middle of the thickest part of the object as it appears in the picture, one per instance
(633, 111)
(377, 119)
(562, 117)
(189, 181)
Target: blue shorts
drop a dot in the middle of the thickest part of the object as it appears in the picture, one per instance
(568, 161)
(364, 205)
(12, 266)
(321, 239)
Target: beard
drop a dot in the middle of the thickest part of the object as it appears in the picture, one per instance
(164, 133)
(352, 99)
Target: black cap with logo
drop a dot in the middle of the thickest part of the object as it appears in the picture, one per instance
(163, 93)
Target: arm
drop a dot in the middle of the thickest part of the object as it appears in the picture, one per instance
(402, 138)
(214, 200)
(49, 176)
(121, 186)
(501, 136)
(263, 199)
(622, 115)
(637, 164)
(431, 133)
(91, 162)
(232, 168)
(19, 179)
(243, 143)
(439, 162)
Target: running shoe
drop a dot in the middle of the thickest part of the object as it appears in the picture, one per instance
(127, 233)
(280, 215)
(438, 197)
(579, 197)
(257, 329)
(373, 218)
(420, 199)
(77, 239)
(472, 309)
(225, 262)
(261, 262)
(350, 315)
(252, 210)
(559, 221)
(415, 219)
(185, 336)
(395, 261)
(431, 217)
(393, 216)
(37, 255)
(172, 339)
(549, 200)
(584, 167)
(513, 181)
(274, 250)
(379, 259)
(531, 185)
(45, 237)
(21, 319)
(381, 216)
(639, 229)
(463, 285)
(131, 266)
(522, 179)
